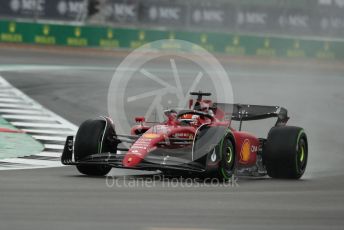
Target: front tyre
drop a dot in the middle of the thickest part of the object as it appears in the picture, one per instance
(286, 152)
(90, 140)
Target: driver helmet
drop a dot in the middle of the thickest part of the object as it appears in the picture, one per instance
(189, 118)
(208, 110)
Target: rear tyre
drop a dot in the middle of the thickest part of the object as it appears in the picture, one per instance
(286, 152)
(88, 141)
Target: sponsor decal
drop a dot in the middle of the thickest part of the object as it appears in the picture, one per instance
(70, 7)
(70, 145)
(235, 48)
(208, 16)
(294, 21)
(255, 18)
(213, 156)
(27, 7)
(170, 43)
(140, 42)
(165, 159)
(77, 40)
(184, 135)
(325, 52)
(45, 39)
(203, 44)
(335, 3)
(142, 141)
(151, 135)
(164, 12)
(109, 41)
(161, 129)
(245, 151)
(296, 51)
(11, 36)
(139, 147)
(332, 22)
(254, 148)
(15, 5)
(266, 50)
(123, 11)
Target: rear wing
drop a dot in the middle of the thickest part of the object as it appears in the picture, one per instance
(245, 112)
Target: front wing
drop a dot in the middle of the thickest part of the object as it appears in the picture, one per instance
(116, 160)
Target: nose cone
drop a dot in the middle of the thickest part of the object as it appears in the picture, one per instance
(141, 148)
(131, 160)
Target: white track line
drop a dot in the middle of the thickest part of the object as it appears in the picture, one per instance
(33, 162)
(52, 132)
(20, 111)
(39, 125)
(52, 146)
(7, 95)
(18, 106)
(27, 117)
(44, 126)
(3, 99)
(29, 100)
(49, 154)
(49, 138)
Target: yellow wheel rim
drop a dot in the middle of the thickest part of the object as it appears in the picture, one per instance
(302, 155)
(229, 155)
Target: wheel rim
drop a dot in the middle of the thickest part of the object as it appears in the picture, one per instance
(227, 169)
(302, 155)
(229, 155)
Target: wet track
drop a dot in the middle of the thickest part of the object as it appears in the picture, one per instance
(59, 198)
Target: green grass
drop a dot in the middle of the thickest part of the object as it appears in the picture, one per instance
(17, 144)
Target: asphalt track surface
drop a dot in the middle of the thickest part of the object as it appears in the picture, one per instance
(60, 198)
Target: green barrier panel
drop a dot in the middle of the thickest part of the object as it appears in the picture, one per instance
(230, 44)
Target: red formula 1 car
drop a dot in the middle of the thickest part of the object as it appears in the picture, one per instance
(198, 140)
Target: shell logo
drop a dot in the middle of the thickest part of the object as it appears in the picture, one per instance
(142, 35)
(77, 32)
(236, 41)
(172, 36)
(245, 151)
(12, 27)
(204, 38)
(109, 34)
(46, 30)
(151, 135)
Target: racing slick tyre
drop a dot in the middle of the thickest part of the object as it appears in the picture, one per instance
(88, 141)
(286, 152)
(226, 165)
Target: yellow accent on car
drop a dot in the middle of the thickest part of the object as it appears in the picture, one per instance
(151, 135)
